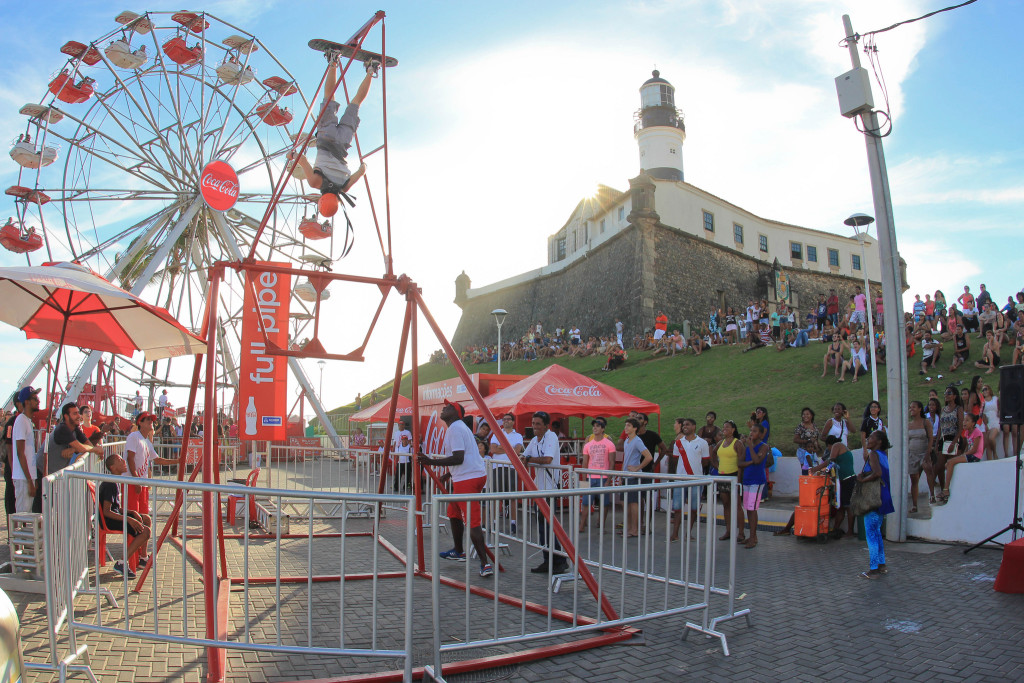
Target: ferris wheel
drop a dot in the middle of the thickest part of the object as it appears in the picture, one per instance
(112, 160)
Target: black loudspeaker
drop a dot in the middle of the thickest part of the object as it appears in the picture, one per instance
(1011, 394)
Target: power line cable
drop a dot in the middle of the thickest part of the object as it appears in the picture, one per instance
(907, 21)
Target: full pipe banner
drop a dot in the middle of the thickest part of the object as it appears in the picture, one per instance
(263, 385)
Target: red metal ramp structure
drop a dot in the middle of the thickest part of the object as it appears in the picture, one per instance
(216, 576)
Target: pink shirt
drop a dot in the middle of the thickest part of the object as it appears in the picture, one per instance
(979, 443)
(860, 302)
(601, 454)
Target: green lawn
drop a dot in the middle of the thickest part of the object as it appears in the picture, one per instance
(724, 380)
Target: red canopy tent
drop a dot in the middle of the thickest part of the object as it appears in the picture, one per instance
(561, 391)
(378, 412)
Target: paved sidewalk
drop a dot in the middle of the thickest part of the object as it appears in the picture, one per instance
(933, 617)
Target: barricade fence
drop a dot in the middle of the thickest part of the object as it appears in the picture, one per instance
(641, 572)
(277, 572)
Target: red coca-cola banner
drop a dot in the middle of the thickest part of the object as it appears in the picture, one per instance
(218, 183)
(263, 382)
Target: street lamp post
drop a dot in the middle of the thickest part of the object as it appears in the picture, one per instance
(499, 317)
(857, 221)
(321, 363)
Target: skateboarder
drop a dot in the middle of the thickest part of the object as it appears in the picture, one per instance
(334, 135)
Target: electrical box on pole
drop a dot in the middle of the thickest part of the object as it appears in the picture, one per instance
(854, 90)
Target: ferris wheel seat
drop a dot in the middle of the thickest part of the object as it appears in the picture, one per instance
(232, 73)
(88, 54)
(192, 21)
(29, 195)
(308, 139)
(13, 238)
(28, 155)
(243, 45)
(120, 53)
(307, 292)
(38, 111)
(134, 22)
(315, 231)
(182, 54)
(66, 90)
(281, 86)
(273, 115)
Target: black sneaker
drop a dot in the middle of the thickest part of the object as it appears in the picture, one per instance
(542, 568)
(121, 569)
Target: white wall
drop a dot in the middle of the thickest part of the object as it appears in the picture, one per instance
(682, 206)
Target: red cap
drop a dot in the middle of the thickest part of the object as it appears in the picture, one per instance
(458, 408)
(144, 416)
(328, 204)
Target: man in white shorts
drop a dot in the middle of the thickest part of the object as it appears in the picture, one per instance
(23, 473)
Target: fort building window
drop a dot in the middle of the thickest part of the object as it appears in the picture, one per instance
(812, 254)
(709, 221)
(796, 251)
(602, 226)
(833, 257)
(762, 243)
(560, 249)
(856, 261)
(737, 233)
(622, 213)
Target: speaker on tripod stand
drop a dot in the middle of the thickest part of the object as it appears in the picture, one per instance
(1011, 412)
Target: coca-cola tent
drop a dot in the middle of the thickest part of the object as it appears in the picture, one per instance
(378, 412)
(561, 391)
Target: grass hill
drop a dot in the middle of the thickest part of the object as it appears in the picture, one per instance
(724, 380)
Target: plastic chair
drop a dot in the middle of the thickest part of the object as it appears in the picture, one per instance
(250, 481)
(101, 541)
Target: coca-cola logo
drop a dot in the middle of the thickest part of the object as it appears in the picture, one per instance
(591, 391)
(218, 184)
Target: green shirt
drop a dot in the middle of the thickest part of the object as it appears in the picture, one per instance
(845, 461)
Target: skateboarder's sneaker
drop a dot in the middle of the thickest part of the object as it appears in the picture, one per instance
(373, 67)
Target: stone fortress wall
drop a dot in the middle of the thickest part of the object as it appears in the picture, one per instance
(648, 266)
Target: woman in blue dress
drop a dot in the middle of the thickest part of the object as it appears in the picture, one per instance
(876, 466)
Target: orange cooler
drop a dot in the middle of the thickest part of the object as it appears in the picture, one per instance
(810, 490)
(810, 521)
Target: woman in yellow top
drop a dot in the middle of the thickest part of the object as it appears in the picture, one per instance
(724, 458)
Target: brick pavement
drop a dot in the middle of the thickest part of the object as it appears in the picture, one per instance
(934, 616)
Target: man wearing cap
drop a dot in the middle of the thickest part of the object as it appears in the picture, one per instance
(139, 454)
(505, 479)
(8, 456)
(544, 450)
(468, 476)
(334, 136)
(24, 454)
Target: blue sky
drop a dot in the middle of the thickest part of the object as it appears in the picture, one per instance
(503, 115)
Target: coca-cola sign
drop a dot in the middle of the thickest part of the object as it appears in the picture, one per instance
(218, 184)
(591, 391)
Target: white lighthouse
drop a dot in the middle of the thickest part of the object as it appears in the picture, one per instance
(659, 130)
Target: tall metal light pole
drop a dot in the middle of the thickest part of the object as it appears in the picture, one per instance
(856, 221)
(321, 363)
(855, 99)
(499, 317)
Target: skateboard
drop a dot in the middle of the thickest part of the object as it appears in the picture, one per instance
(343, 49)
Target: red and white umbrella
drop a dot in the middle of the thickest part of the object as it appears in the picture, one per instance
(69, 304)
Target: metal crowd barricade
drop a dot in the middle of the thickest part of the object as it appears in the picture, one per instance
(724, 586)
(643, 578)
(286, 626)
(66, 534)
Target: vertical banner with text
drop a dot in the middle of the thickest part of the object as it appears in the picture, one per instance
(263, 384)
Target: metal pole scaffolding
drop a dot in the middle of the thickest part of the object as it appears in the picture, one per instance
(892, 297)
